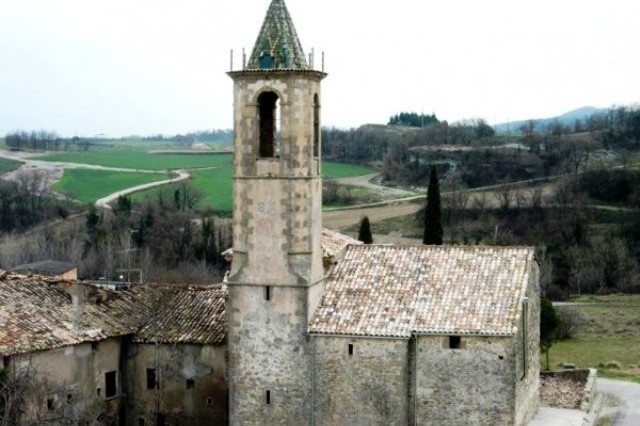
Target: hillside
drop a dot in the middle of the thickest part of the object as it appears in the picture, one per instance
(566, 119)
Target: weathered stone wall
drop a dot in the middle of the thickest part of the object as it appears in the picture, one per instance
(202, 401)
(368, 387)
(268, 352)
(528, 352)
(473, 385)
(69, 382)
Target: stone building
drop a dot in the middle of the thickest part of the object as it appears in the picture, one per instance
(394, 335)
(302, 332)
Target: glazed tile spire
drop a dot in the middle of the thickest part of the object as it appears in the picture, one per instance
(277, 45)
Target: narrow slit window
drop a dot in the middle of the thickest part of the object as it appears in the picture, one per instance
(267, 293)
(268, 397)
(152, 378)
(454, 342)
(350, 349)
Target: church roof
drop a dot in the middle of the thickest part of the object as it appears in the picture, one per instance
(277, 45)
(394, 291)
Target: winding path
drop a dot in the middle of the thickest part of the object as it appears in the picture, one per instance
(54, 170)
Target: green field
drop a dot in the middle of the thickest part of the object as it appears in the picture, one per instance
(7, 165)
(606, 337)
(88, 186)
(136, 159)
(210, 174)
(333, 170)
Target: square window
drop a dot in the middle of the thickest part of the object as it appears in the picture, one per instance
(110, 384)
(191, 383)
(454, 342)
(140, 421)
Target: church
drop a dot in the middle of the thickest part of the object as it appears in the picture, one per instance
(379, 335)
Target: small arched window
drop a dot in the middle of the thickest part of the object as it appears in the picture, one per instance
(268, 112)
(316, 126)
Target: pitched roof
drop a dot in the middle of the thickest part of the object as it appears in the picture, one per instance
(37, 313)
(381, 290)
(51, 267)
(194, 315)
(277, 45)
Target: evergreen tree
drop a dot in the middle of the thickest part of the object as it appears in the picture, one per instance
(364, 234)
(433, 214)
(549, 323)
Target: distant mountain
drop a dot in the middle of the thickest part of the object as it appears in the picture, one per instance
(566, 119)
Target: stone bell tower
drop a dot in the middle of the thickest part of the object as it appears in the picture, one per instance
(276, 278)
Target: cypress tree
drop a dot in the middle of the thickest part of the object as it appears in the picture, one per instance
(364, 234)
(433, 214)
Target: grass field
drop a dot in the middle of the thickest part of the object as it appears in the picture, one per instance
(87, 186)
(607, 336)
(136, 159)
(7, 165)
(211, 174)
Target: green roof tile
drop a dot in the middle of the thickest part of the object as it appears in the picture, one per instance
(277, 45)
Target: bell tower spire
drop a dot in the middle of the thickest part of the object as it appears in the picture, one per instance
(276, 278)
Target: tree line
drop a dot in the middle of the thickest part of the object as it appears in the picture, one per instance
(162, 239)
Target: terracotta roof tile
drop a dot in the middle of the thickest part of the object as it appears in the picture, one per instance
(194, 315)
(37, 313)
(396, 290)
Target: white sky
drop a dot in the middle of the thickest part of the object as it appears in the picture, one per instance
(122, 67)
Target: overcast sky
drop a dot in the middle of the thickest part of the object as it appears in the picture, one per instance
(121, 67)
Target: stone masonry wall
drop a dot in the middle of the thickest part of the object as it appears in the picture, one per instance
(269, 379)
(191, 386)
(70, 381)
(528, 352)
(473, 385)
(368, 387)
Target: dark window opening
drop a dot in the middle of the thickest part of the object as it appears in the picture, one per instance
(191, 383)
(50, 404)
(350, 348)
(98, 391)
(69, 398)
(268, 111)
(152, 380)
(316, 126)
(111, 387)
(267, 293)
(94, 346)
(141, 421)
(209, 401)
(501, 357)
(268, 400)
(160, 419)
(454, 342)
